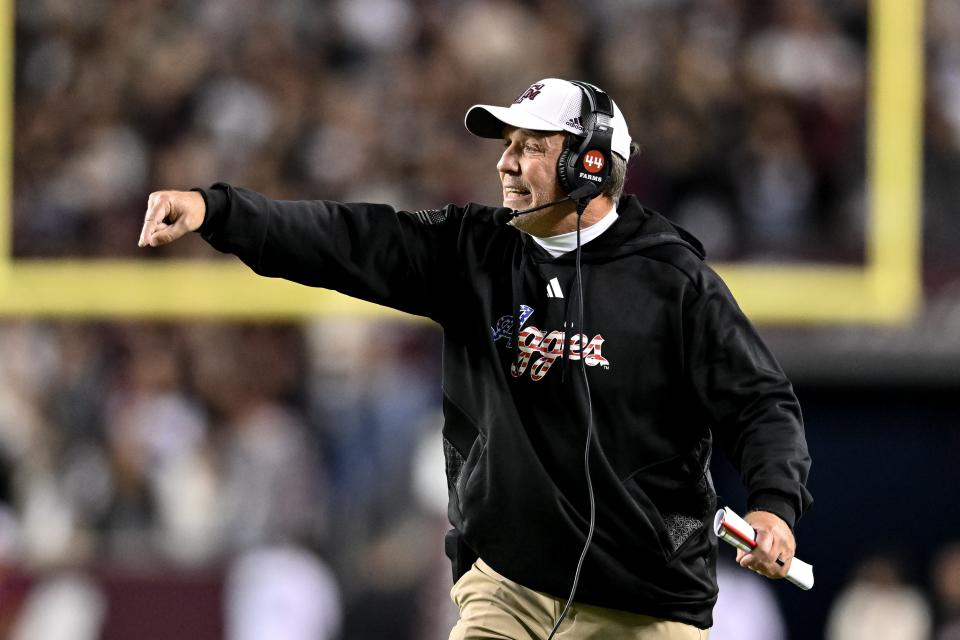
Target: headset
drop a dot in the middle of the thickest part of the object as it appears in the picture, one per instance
(586, 162)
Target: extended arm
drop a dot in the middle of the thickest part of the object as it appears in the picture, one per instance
(372, 252)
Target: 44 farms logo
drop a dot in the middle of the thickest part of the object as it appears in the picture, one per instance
(549, 347)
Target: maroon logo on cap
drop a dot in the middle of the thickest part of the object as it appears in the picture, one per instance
(530, 93)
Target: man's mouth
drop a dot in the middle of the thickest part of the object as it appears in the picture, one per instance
(515, 192)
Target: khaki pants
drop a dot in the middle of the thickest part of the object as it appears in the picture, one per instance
(494, 607)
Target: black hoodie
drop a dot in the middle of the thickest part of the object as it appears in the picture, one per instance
(671, 360)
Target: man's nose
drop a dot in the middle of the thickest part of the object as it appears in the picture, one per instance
(508, 161)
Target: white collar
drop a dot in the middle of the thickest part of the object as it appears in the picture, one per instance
(556, 246)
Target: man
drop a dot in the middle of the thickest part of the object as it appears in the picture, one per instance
(662, 362)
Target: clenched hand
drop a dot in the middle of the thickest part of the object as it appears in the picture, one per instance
(171, 215)
(774, 541)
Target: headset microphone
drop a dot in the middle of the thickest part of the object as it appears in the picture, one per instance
(582, 195)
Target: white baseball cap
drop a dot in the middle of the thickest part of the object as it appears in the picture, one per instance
(550, 104)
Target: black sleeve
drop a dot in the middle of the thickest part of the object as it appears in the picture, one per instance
(368, 251)
(748, 400)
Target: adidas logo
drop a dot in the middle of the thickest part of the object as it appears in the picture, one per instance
(576, 123)
(553, 289)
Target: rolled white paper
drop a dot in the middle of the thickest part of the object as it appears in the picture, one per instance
(735, 531)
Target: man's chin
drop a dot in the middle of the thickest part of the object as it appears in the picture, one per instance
(543, 223)
(531, 223)
(524, 202)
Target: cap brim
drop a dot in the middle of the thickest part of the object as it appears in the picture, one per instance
(488, 121)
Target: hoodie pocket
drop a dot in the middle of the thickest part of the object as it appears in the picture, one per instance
(677, 503)
(460, 470)
(648, 510)
(461, 448)
(472, 471)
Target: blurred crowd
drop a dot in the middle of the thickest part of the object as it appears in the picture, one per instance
(309, 451)
(278, 450)
(750, 114)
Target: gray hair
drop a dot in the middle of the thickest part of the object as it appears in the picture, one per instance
(613, 186)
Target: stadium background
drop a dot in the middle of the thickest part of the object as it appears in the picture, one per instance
(189, 451)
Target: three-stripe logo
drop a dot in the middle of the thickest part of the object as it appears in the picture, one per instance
(553, 288)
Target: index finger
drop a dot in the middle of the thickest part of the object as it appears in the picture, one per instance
(759, 558)
(153, 217)
(765, 540)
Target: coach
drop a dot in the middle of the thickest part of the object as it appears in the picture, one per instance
(591, 359)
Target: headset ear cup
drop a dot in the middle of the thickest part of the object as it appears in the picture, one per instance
(562, 170)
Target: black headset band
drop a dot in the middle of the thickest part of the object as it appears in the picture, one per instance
(586, 160)
(599, 101)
